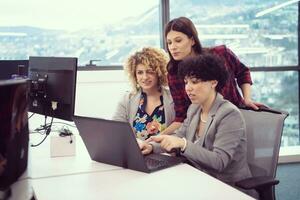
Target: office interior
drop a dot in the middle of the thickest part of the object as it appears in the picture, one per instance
(101, 35)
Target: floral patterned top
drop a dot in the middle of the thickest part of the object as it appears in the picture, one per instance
(146, 125)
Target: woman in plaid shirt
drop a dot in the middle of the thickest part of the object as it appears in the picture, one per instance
(182, 42)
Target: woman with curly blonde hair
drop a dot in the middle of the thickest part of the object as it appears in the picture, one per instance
(149, 106)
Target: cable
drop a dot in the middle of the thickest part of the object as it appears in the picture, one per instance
(35, 145)
(42, 127)
(45, 126)
(45, 120)
(65, 131)
(47, 132)
(31, 115)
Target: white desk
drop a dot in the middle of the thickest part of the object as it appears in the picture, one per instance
(78, 177)
(178, 182)
(41, 165)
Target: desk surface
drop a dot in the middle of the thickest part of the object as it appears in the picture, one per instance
(78, 177)
(41, 165)
(178, 182)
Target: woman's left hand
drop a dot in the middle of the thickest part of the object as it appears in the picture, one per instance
(252, 104)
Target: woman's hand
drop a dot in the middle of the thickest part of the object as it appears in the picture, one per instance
(255, 105)
(145, 147)
(168, 142)
(246, 90)
(171, 128)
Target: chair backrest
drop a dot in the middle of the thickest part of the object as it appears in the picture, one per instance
(263, 130)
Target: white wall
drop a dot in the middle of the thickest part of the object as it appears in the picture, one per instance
(98, 92)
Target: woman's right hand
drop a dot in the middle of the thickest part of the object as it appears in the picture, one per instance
(145, 147)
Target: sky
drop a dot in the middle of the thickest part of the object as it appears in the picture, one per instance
(69, 14)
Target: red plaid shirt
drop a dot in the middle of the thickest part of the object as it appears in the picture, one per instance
(238, 74)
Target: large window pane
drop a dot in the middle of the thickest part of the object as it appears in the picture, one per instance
(87, 29)
(261, 33)
(280, 90)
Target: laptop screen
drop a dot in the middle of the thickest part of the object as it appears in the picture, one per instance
(114, 142)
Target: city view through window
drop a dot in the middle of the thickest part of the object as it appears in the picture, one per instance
(90, 30)
(260, 33)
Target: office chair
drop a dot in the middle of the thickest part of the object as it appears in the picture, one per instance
(263, 129)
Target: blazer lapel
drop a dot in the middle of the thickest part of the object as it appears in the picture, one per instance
(168, 104)
(211, 115)
(133, 106)
(193, 124)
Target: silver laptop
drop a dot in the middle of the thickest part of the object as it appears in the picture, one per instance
(114, 142)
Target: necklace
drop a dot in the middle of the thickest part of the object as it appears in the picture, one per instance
(201, 118)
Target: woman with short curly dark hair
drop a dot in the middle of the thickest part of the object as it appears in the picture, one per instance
(182, 41)
(213, 135)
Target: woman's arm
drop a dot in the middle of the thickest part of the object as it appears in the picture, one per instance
(246, 90)
(174, 141)
(243, 77)
(180, 99)
(171, 128)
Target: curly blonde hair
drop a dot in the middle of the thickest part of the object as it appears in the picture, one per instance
(154, 58)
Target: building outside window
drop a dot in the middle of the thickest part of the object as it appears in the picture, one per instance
(102, 31)
(261, 34)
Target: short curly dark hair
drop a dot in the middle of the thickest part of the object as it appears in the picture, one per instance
(206, 67)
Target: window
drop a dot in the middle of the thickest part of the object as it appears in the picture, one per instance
(280, 90)
(261, 34)
(98, 30)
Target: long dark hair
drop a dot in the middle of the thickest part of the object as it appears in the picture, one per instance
(185, 26)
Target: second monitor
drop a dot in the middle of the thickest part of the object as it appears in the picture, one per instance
(53, 83)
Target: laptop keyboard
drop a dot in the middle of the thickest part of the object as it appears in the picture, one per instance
(158, 161)
(154, 163)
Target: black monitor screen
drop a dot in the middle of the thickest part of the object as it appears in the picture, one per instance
(11, 68)
(53, 82)
(14, 133)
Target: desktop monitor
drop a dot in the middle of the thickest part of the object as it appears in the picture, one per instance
(53, 83)
(13, 68)
(14, 133)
